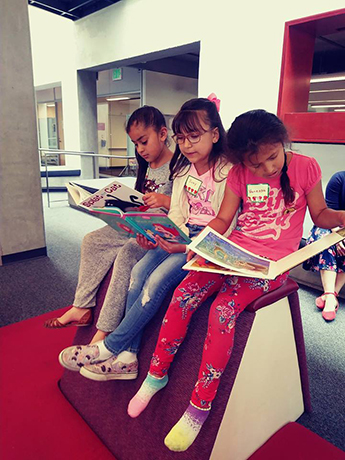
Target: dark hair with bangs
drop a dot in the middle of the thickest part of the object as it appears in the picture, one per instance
(249, 132)
(147, 116)
(187, 120)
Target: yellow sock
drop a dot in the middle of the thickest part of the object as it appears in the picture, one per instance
(183, 434)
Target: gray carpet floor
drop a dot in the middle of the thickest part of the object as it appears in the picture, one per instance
(33, 287)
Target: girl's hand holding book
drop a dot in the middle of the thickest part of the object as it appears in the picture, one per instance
(190, 255)
(156, 200)
(171, 248)
(144, 242)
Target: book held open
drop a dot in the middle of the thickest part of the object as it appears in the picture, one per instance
(145, 223)
(115, 194)
(124, 210)
(217, 254)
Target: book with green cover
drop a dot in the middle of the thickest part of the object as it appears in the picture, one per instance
(145, 223)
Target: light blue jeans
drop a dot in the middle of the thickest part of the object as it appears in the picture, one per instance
(151, 279)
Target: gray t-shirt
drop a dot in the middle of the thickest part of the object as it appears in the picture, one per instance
(157, 180)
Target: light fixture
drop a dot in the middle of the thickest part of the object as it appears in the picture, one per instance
(327, 106)
(322, 102)
(121, 98)
(50, 105)
(339, 110)
(323, 79)
(326, 90)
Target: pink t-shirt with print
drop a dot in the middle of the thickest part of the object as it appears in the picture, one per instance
(201, 211)
(266, 226)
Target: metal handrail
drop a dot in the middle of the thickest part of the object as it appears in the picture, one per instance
(52, 152)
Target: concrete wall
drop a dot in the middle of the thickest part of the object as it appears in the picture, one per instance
(130, 82)
(168, 92)
(21, 216)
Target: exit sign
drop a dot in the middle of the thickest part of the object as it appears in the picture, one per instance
(117, 74)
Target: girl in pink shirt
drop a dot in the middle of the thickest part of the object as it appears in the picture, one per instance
(274, 188)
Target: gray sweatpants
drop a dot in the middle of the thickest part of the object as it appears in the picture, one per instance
(99, 251)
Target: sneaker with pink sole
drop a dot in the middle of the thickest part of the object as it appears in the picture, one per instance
(110, 370)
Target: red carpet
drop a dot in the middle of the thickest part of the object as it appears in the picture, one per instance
(36, 420)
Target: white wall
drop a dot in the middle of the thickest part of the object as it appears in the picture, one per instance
(53, 46)
(240, 46)
(331, 158)
(241, 42)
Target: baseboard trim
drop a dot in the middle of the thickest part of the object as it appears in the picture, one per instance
(18, 256)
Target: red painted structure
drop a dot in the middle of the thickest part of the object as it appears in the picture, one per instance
(297, 60)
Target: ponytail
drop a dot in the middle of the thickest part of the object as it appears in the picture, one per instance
(141, 173)
(288, 192)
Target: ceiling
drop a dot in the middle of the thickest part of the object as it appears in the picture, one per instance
(72, 9)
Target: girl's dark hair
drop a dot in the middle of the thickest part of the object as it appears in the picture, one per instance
(187, 120)
(249, 132)
(147, 116)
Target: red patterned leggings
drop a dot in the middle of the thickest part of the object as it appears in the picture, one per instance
(235, 293)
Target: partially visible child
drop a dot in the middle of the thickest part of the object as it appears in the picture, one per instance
(331, 262)
(199, 171)
(104, 247)
(270, 225)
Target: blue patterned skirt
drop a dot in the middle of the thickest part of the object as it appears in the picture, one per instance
(326, 260)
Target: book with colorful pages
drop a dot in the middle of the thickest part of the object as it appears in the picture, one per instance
(148, 224)
(217, 254)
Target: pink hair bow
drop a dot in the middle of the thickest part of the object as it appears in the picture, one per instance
(213, 98)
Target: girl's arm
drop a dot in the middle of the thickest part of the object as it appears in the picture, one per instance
(157, 200)
(227, 211)
(321, 215)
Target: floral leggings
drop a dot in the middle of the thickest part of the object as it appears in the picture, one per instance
(235, 293)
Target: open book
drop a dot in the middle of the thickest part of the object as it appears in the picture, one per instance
(123, 209)
(115, 194)
(148, 224)
(223, 256)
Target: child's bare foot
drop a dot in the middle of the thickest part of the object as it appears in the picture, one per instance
(72, 317)
(100, 335)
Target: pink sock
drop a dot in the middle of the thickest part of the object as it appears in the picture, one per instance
(150, 386)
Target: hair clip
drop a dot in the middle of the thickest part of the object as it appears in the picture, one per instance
(213, 98)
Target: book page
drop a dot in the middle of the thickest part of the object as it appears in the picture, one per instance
(219, 250)
(116, 195)
(200, 264)
(225, 257)
(76, 194)
(310, 250)
(157, 224)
